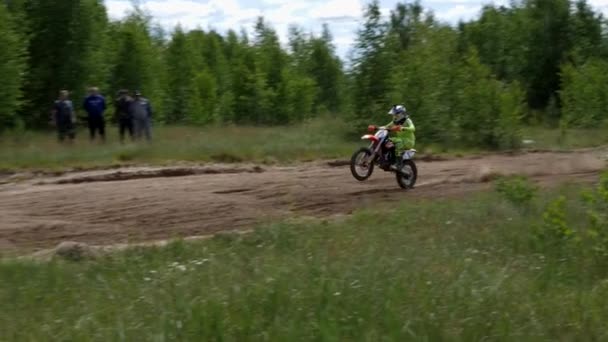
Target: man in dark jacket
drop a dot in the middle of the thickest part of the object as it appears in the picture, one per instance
(95, 106)
(64, 117)
(123, 114)
(142, 116)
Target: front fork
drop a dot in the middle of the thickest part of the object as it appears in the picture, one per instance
(375, 148)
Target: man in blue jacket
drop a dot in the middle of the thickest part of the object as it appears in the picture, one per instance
(95, 106)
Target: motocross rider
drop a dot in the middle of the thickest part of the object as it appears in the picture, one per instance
(402, 125)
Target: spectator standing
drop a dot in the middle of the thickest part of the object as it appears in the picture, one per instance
(142, 116)
(95, 106)
(124, 115)
(65, 117)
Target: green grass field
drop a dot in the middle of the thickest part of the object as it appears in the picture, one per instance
(315, 140)
(481, 269)
(319, 139)
(573, 138)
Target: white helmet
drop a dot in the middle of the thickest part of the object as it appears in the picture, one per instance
(397, 110)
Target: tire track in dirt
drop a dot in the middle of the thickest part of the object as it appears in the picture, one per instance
(95, 208)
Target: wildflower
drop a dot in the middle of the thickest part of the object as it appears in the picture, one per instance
(200, 262)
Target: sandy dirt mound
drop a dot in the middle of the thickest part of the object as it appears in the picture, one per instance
(148, 204)
(147, 172)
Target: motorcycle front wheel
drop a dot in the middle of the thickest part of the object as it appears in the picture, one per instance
(360, 165)
(407, 174)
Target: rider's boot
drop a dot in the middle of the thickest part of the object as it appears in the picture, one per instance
(393, 160)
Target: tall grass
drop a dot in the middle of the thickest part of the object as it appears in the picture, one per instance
(313, 140)
(446, 270)
(544, 138)
(324, 138)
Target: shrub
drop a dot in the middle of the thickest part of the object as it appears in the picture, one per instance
(597, 214)
(518, 190)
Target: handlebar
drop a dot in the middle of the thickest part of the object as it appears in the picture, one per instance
(373, 128)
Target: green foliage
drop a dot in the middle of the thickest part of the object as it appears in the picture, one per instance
(464, 86)
(203, 108)
(518, 190)
(584, 239)
(11, 68)
(586, 29)
(597, 214)
(137, 64)
(66, 50)
(424, 81)
(549, 23)
(555, 233)
(183, 100)
(487, 112)
(299, 96)
(326, 68)
(528, 42)
(454, 99)
(371, 69)
(500, 36)
(507, 131)
(584, 95)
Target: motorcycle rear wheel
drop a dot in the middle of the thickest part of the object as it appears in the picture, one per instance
(407, 174)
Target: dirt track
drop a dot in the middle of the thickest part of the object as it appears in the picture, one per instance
(145, 204)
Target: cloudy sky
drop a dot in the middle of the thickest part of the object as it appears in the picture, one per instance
(343, 16)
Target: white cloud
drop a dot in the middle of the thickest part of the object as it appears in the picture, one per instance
(189, 13)
(336, 9)
(458, 12)
(343, 16)
(602, 5)
(117, 9)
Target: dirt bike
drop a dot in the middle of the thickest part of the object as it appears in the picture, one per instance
(381, 151)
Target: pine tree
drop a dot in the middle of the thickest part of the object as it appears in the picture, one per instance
(549, 41)
(183, 102)
(586, 29)
(372, 64)
(66, 51)
(136, 62)
(424, 81)
(325, 68)
(488, 112)
(271, 62)
(11, 68)
(585, 94)
(404, 21)
(245, 84)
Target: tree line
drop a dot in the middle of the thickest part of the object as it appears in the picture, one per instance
(475, 83)
(194, 77)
